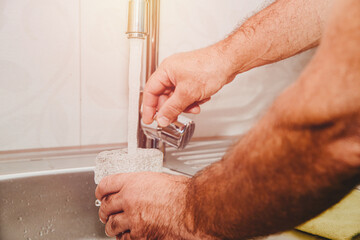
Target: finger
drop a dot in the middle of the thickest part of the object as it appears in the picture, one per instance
(111, 204)
(148, 111)
(173, 107)
(117, 224)
(204, 100)
(193, 108)
(162, 100)
(155, 87)
(124, 236)
(111, 184)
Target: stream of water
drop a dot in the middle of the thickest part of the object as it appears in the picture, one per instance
(135, 60)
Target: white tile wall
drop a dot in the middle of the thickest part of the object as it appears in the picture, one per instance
(63, 69)
(104, 71)
(39, 73)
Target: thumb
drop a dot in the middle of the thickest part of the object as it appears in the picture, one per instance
(173, 107)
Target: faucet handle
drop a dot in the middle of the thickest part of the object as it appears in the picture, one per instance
(177, 134)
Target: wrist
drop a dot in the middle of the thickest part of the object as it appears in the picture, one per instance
(223, 62)
(236, 52)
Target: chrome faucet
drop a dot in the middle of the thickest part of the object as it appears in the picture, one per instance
(143, 23)
(138, 19)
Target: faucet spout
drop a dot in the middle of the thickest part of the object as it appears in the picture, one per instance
(138, 19)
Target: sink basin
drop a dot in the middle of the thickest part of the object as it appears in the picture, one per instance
(59, 205)
(50, 194)
(50, 206)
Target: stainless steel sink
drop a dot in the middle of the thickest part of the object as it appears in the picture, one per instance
(60, 205)
(50, 194)
(197, 155)
(50, 206)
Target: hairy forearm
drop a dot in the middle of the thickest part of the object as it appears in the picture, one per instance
(275, 178)
(281, 30)
(301, 158)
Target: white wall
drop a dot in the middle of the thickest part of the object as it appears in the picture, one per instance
(104, 71)
(39, 73)
(63, 69)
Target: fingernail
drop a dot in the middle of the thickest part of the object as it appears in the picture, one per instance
(163, 121)
(101, 221)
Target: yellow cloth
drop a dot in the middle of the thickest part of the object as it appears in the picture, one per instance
(340, 222)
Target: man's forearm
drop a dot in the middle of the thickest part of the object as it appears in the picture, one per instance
(281, 30)
(302, 157)
(274, 179)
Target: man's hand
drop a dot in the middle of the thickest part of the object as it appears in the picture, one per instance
(144, 206)
(183, 82)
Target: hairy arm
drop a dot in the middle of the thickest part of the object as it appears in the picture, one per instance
(185, 80)
(301, 158)
(281, 30)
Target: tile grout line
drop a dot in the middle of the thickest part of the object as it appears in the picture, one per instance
(80, 78)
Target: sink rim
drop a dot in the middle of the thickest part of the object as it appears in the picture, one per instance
(44, 173)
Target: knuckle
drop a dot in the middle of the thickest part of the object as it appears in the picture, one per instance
(164, 63)
(102, 216)
(110, 226)
(103, 186)
(113, 225)
(105, 207)
(174, 109)
(191, 91)
(184, 90)
(105, 203)
(127, 236)
(147, 95)
(127, 201)
(167, 61)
